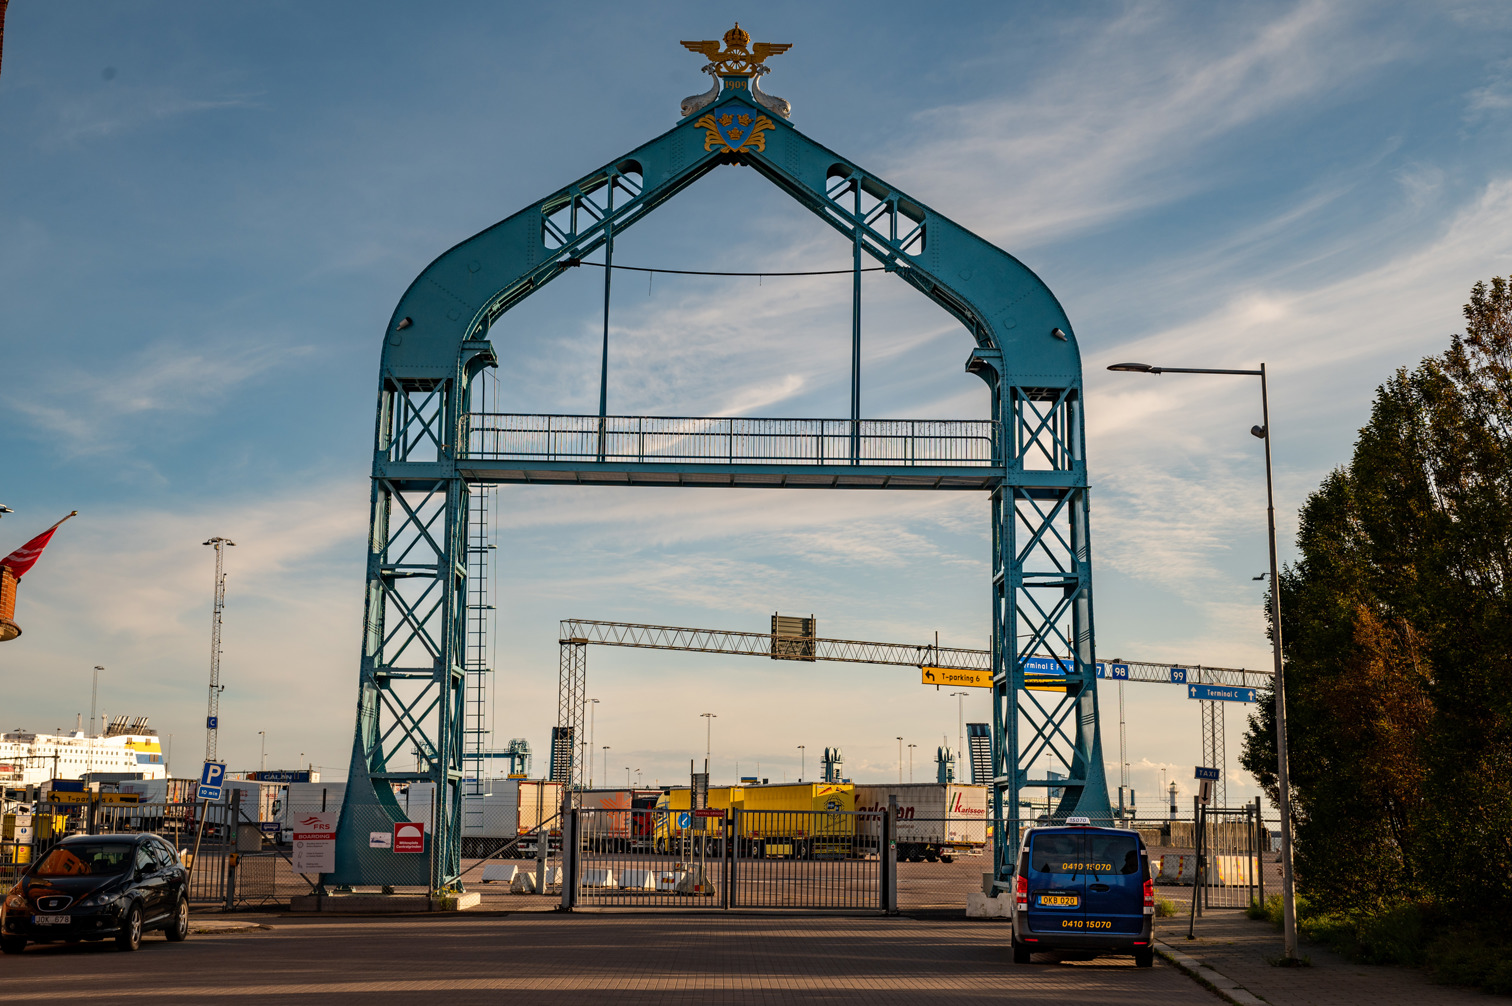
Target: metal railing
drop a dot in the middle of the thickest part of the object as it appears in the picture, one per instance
(693, 440)
(729, 859)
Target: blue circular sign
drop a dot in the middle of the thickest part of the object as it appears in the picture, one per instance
(684, 819)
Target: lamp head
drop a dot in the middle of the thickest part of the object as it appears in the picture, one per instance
(1258, 431)
(1135, 368)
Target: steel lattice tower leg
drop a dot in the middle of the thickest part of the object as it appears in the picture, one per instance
(566, 765)
(1213, 753)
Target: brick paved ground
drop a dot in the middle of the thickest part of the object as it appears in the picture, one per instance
(722, 959)
(1241, 948)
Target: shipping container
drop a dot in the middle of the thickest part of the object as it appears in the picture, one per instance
(935, 821)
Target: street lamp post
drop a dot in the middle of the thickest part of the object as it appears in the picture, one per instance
(606, 764)
(262, 757)
(709, 719)
(900, 761)
(802, 762)
(910, 761)
(1283, 775)
(960, 698)
(592, 708)
(93, 691)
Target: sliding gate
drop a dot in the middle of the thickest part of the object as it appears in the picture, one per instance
(729, 859)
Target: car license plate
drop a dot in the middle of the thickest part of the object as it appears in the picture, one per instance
(52, 920)
(1059, 900)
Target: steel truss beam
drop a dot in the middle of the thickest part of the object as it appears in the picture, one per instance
(582, 631)
(411, 681)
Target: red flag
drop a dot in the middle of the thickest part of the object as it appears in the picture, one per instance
(25, 557)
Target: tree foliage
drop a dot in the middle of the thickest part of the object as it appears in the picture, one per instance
(1397, 624)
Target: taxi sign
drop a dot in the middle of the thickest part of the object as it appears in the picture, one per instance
(956, 677)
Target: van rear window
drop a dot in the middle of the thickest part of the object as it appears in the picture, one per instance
(1089, 852)
(1057, 854)
(1113, 853)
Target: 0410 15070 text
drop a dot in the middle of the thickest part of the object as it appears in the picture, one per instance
(1090, 867)
(1086, 924)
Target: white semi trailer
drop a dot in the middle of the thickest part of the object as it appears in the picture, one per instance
(935, 821)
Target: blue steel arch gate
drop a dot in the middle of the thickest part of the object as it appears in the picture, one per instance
(431, 452)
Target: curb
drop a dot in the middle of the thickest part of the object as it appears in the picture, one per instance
(1200, 972)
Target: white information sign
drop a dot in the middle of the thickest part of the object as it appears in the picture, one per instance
(380, 840)
(315, 842)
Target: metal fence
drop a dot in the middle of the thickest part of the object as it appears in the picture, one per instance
(682, 439)
(1221, 857)
(728, 860)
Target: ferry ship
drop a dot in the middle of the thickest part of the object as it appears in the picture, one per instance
(131, 748)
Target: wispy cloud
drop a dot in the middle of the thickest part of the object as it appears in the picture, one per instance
(118, 109)
(1120, 122)
(90, 407)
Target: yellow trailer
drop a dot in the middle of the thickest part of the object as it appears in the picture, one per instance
(677, 829)
(799, 820)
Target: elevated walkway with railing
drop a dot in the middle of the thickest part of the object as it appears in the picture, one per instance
(714, 451)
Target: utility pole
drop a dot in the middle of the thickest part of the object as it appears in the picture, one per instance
(262, 755)
(900, 760)
(910, 761)
(212, 716)
(802, 762)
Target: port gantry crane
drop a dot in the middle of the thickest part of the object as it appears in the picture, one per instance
(436, 448)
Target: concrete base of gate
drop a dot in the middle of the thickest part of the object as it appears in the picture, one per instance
(383, 904)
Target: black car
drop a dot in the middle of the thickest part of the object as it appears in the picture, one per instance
(94, 887)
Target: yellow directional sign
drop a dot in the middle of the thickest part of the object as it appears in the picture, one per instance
(59, 797)
(956, 677)
(117, 798)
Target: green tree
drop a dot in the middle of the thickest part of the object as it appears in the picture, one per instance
(1399, 642)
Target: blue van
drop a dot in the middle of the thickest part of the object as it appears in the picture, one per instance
(1083, 890)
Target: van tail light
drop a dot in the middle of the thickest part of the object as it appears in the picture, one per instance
(1021, 893)
(1149, 897)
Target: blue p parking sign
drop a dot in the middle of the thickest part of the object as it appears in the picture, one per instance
(212, 778)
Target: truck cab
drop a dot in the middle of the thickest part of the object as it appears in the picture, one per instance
(1083, 890)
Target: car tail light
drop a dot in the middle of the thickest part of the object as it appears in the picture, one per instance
(1021, 892)
(1149, 897)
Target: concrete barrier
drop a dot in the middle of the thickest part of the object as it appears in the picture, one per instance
(598, 878)
(501, 872)
(980, 906)
(637, 880)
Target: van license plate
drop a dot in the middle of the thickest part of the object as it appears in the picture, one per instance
(1059, 900)
(53, 920)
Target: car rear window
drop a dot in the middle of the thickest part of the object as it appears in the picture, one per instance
(86, 860)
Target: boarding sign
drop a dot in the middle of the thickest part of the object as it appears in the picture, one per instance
(212, 779)
(315, 842)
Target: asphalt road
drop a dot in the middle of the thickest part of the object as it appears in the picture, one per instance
(555, 958)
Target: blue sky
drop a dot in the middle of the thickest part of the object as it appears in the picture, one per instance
(207, 213)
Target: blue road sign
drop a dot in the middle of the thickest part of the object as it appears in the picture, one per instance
(1206, 773)
(1118, 672)
(212, 778)
(1178, 675)
(211, 721)
(1221, 693)
(1048, 665)
(684, 820)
